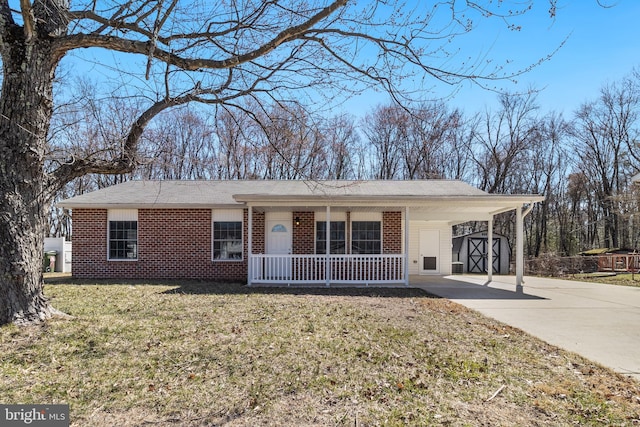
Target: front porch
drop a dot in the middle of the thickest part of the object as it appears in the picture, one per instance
(372, 239)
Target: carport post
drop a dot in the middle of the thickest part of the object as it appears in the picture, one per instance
(327, 248)
(521, 212)
(519, 249)
(405, 266)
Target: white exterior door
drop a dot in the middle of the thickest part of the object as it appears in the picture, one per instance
(278, 242)
(429, 251)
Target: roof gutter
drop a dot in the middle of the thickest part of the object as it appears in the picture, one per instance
(368, 198)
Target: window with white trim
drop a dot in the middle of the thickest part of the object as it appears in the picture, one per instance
(366, 237)
(337, 236)
(227, 235)
(122, 234)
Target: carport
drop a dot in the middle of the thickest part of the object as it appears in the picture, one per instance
(458, 210)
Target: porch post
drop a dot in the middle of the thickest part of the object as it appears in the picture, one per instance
(249, 244)
(406, 246)
(490, 245)
(519, 249)
(327, 250)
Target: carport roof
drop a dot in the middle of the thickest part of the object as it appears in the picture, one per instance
(427, 198)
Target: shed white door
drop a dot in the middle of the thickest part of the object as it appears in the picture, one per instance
(278, 228)
(429, 251)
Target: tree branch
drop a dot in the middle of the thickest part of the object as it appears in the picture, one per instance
(28, 18)
(64, 44)
(127, 161)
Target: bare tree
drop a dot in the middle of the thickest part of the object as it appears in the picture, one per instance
(502, 140)
(343, 150)
(457, 161)
(499, 148)
(178, 147)
(387, 131)
(416, 141)
(210, 52)
(605, 131)
(432, 143)
(576, 212)
(291, 142)
(236, 148)
(545, 174)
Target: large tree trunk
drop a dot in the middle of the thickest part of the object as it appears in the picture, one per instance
(25, 113)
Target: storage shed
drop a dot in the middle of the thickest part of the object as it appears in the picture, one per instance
(63, 250)
(470, 252)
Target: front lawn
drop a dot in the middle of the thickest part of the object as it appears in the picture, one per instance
(198, 354)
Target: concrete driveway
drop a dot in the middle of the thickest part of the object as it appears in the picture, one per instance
(599, 322)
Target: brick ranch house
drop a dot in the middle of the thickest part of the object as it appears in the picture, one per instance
(275, 232)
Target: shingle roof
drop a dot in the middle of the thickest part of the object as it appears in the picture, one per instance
(235, 193)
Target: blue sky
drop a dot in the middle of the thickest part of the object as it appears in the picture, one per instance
(602, 46)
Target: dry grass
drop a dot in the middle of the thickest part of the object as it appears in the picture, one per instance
(622, 279)
(197, 354)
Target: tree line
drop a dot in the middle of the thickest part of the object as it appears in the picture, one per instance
(582, 164)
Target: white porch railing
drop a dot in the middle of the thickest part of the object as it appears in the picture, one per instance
(310, 269)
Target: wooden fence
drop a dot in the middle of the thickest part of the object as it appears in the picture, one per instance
(619, 262)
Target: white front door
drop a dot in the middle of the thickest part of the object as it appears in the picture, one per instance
(278, 242)
(429, 251)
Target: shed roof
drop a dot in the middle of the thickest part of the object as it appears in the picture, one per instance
(457, 241)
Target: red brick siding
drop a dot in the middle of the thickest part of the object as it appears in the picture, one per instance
(177, 243)
(258, 233)
(392, 235)
(172, 244)
(392, 232)
(304, 234)
(89, 242)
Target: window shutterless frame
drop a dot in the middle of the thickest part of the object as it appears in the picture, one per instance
(123, 241)
(122, 235)
(227, 240)
(366, 237)
(337, 235)
(227, 235)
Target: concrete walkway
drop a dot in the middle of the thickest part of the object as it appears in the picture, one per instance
(599, 322)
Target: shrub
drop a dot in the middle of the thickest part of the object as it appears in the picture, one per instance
(550, 264)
